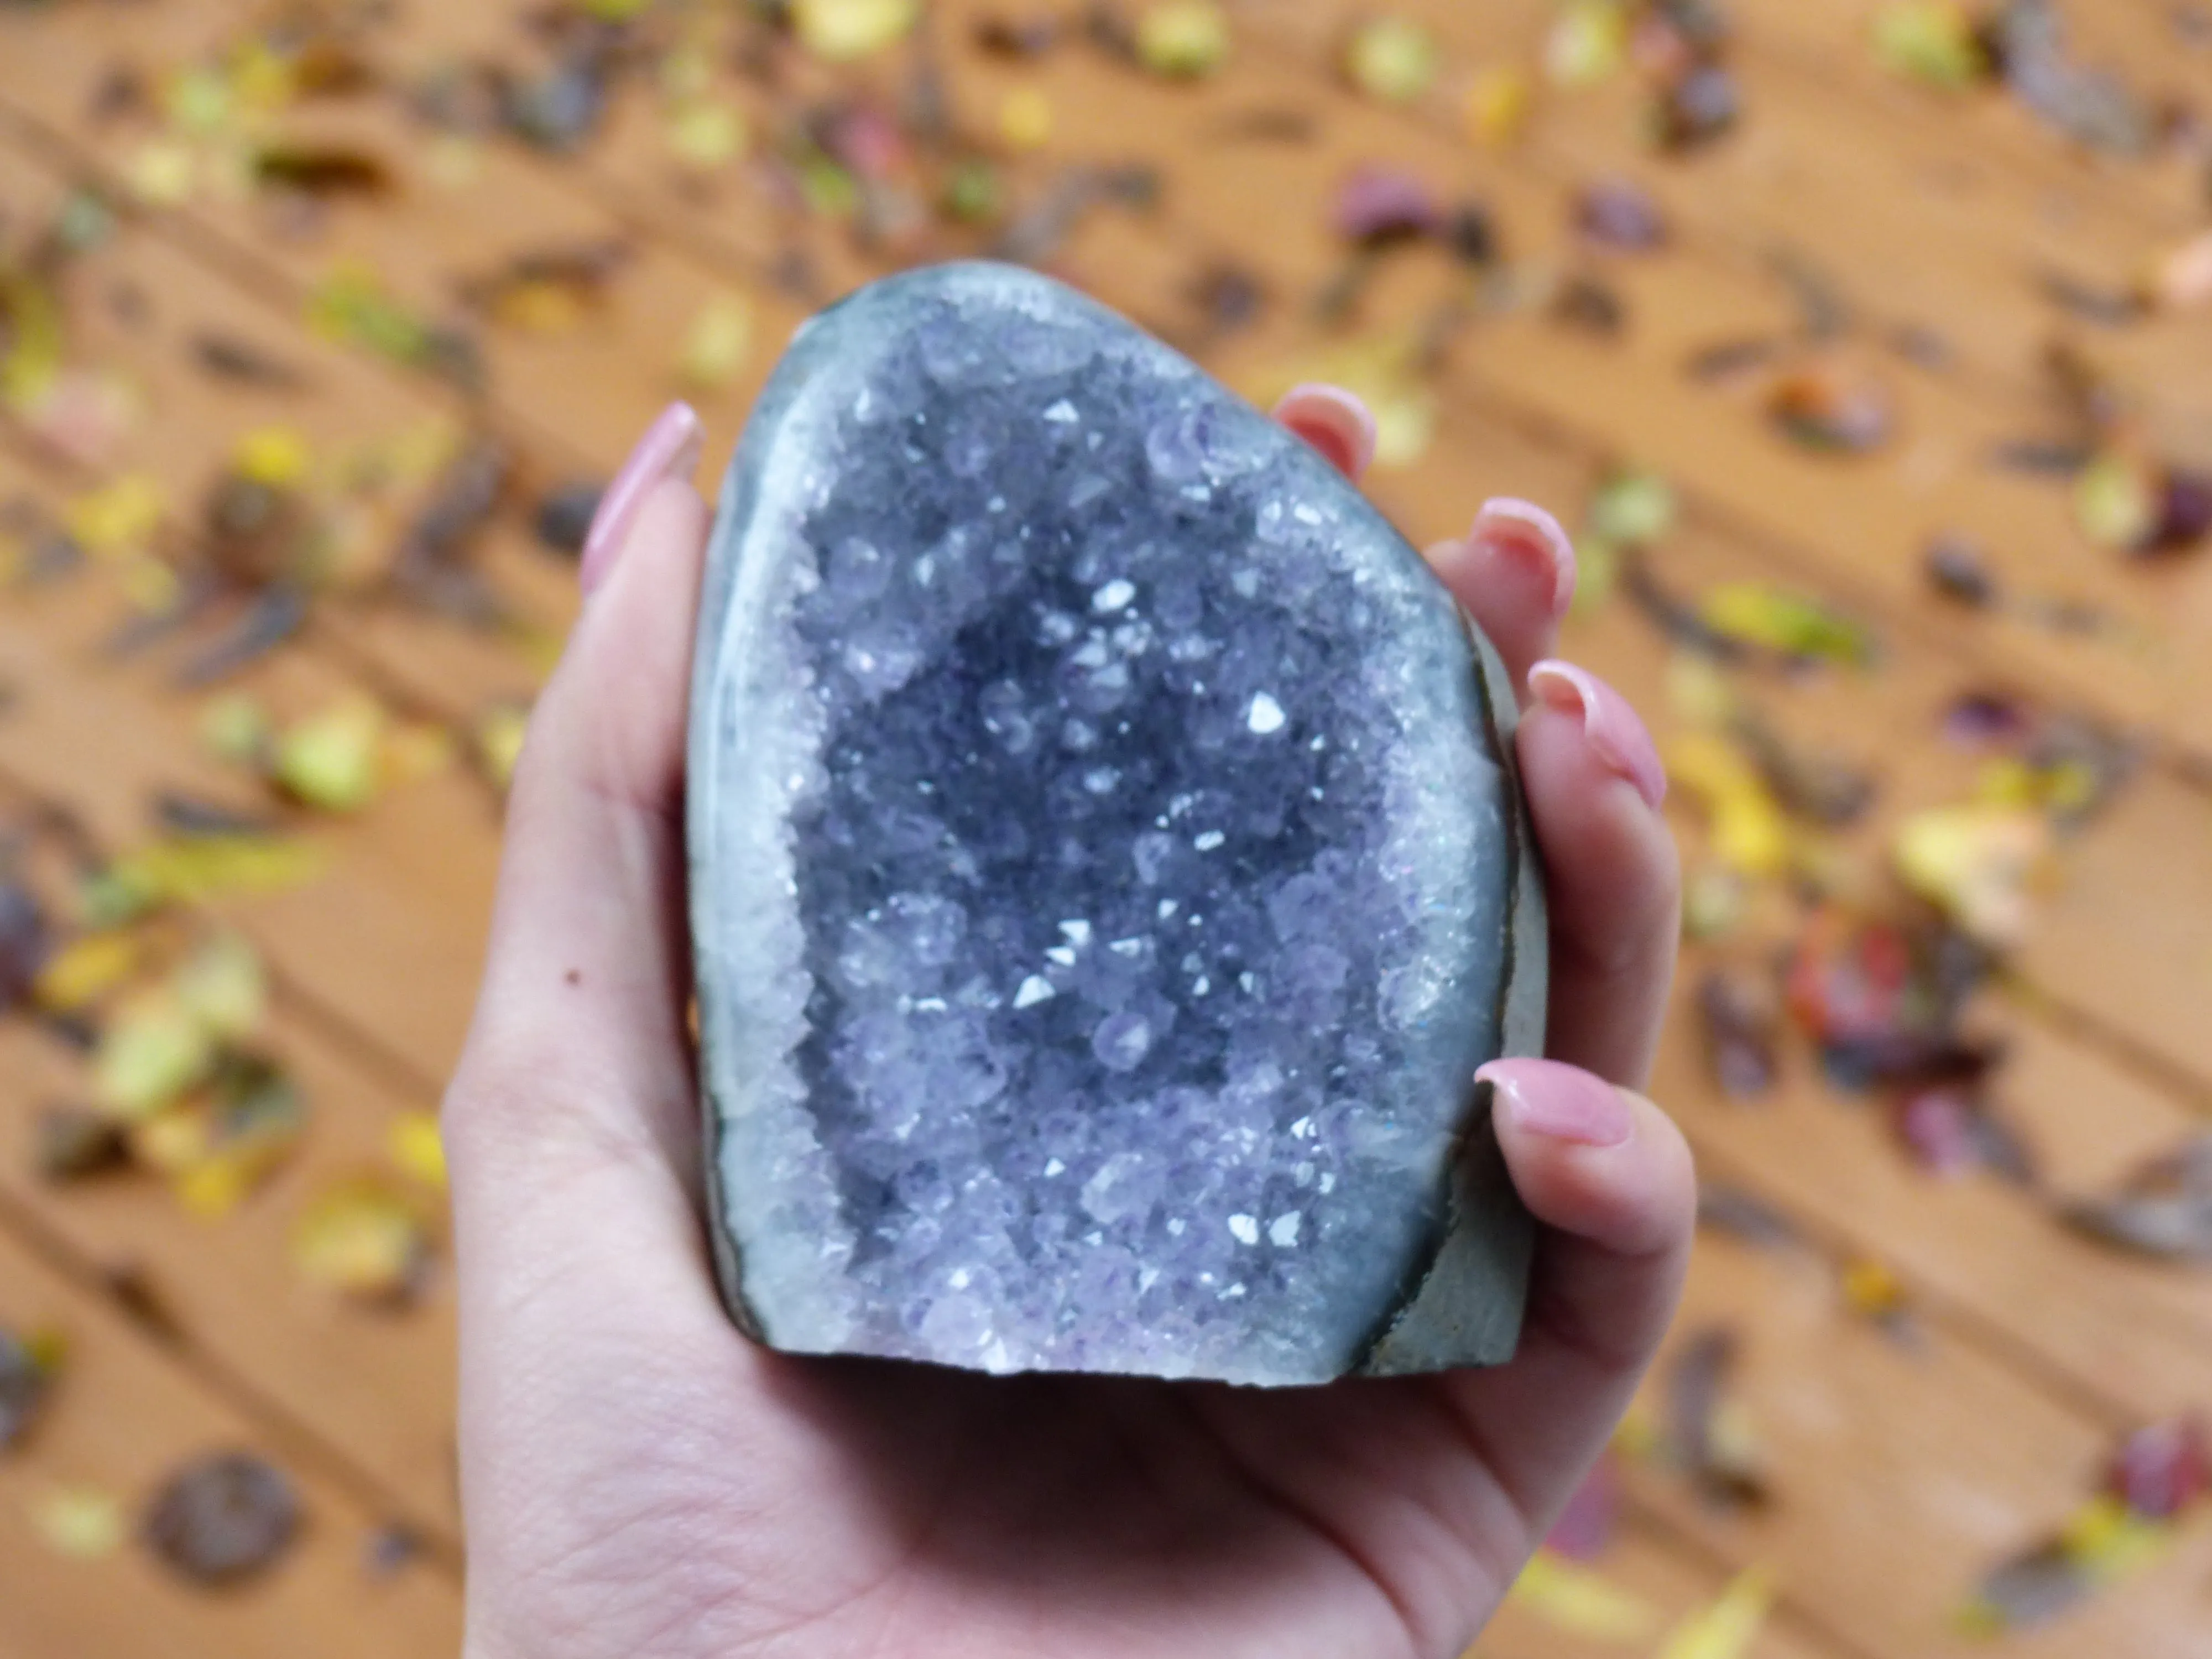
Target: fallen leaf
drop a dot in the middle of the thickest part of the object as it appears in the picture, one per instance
(1025, 119)
(1747, 830)
(1708, 1428)
(841, 31)
(1727, 1628)
(1976, 862)
(1587, 43)
(1496, 109)
(1582, 1600)
(329, 760)
(2161, 1469)
(323, 171)
(1182, 39)
(199, 867)
(499, 734)
(222, 1518)
(2162, 1208)
(417, 1147)
(28, 1369)
(150, 1053)
(119, 517)
(364, 1237)
(223, 986)
(26, 945)
(1740, 1020)
(1375, 205)
(1756, 613)
(1934, 42)
(81, 1522)
(1392, 60)
(1619, 215)
(718, 343)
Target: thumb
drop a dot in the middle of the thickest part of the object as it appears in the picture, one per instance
(572, 1110)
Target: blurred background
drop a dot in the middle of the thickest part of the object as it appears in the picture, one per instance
(1862, 343)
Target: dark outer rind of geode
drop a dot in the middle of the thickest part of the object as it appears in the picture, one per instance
(1465, 1308)
(1463, 1305)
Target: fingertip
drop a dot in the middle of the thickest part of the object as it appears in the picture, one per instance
(1522, 533)
(1591, 1159)
(1514, 573)
(1335, 421)
(669, 450)
(1613, 731)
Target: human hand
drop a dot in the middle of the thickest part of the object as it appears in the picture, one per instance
(640, 1478)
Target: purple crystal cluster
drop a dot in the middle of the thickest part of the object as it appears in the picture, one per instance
(1106, 874)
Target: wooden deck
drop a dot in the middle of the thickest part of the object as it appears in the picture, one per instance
(1901, 1470)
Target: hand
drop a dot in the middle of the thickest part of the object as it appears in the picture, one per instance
(640, 1479)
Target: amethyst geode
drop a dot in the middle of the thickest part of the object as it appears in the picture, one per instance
(1107, 872)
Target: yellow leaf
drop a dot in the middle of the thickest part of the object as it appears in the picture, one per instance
(1975, 862)
(1183, 39)
(499, 734)
(223, 986)
(1588, 43)
(215, 1186)
(196, 100)
(173, 1139)
(161, 172)
(1496, 107)
(1025, 119)
(840, 30)
(2110, 1540)
(203, 866)
(276, 456)
(1581, 1601)
(151, 1052)
(82, 1522)
(234, 727)
(1698, 691)
(330, 759)
(707, 135)
(85, 970)
(31, 350)
(1379, 369)
(1392, 59)
(1727, 1628)
(260, 78)
(362, 1237)
(1749, 831)
(117, 518)
(1871, 1289)
(417, 1147)
(719, 340)
(1760, 614)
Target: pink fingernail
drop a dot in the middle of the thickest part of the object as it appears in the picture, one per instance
(1615, 734)
(1523, 530)
(1334, 421)
(670, 449)
(1564, 1102)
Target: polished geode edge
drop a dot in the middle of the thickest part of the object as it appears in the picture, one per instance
(1465, 1305)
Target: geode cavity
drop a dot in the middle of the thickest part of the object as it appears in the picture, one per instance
(1107, 871)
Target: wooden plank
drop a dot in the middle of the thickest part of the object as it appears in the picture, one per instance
(1902, 1475)
(373, 1383)
(123, 1417)
(392, 937)
(1629, 398)
(1652, 1565)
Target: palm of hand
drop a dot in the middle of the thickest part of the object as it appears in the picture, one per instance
(640, 1478)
